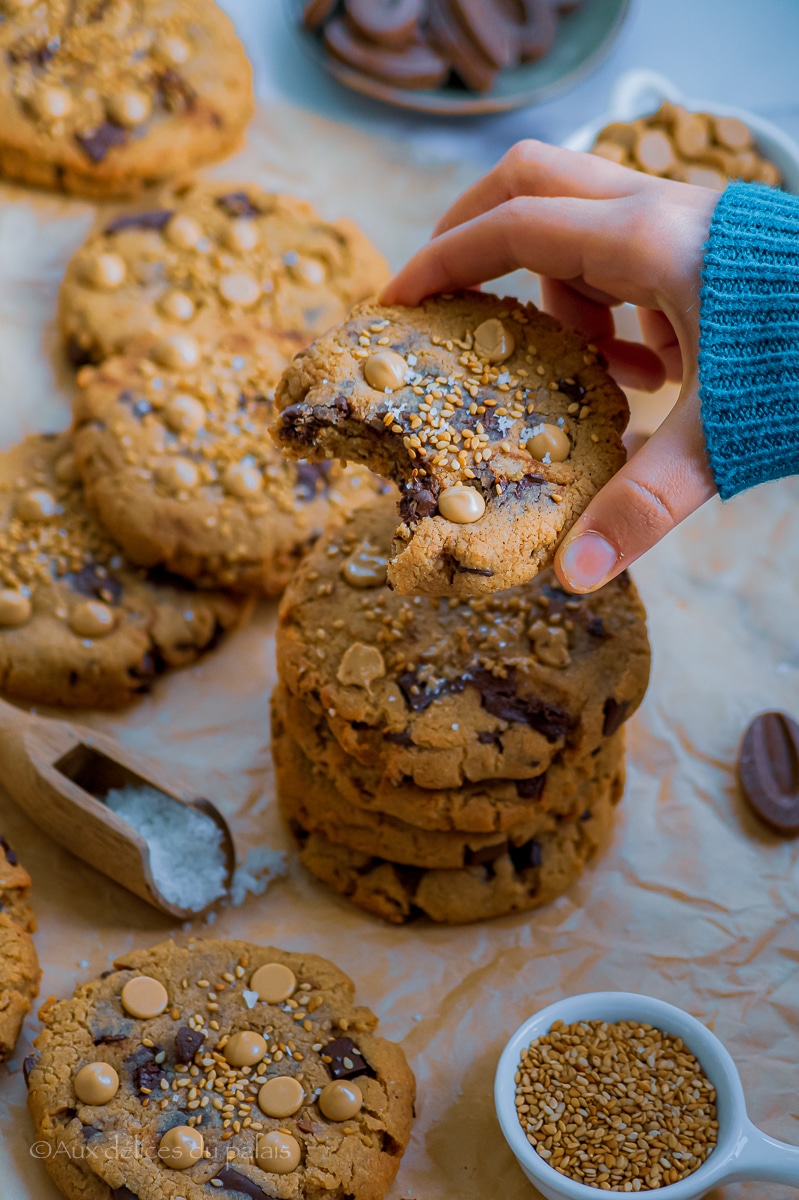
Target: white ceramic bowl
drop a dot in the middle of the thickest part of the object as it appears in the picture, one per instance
(742, 1152)
(639, 93)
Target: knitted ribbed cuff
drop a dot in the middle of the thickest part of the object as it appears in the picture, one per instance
(749, 338)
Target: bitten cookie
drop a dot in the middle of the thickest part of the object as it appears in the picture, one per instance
(491, 807)
(497, 424)
(19, 964)
(308, 802)
(78, 625)
(219, 1069)
(445, 692)
(525, 877)
(105, 99)
(177, 463)
(211, 257)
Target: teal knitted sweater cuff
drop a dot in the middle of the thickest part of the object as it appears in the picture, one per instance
(749, 338)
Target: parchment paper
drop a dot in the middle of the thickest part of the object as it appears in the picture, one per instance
(695, 902)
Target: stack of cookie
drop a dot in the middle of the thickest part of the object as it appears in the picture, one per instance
(130, 544)
(19, 964)
(456, 758)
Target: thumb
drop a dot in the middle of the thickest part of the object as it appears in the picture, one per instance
(667, 480)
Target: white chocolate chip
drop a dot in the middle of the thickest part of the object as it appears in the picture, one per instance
(366, 568)
(170, 49)
(129, 109)
(106, 272)
(176, 305)
(385, 370)
(493, 342)
(185, 414)
(65, 469)
(242, 235)
(51, 103)
(240, 288)
(177, 474)
(92, 619)
(461, 504)
(37, 505)
(15, 609)
(551, 440)
(360, 666)
(307, 270)
(242, 479)
(184, 232)
(178, 350)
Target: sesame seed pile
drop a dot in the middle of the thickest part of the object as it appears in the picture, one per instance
(621, 1106)
(462, 421)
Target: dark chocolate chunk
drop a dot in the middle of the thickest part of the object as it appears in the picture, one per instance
(345, 1061)
(175, 93)
(615, 715)
(90, 1131)
(585, 815)
(525, 856)
(768, 769)
(78, 355)
(234, 1181)
(142, 407)
(312, 478)
(39, 53)
(403, 738)
(11, 855)
(521, 489)
(28, 1063)
(487, 737)
(302, 422)
(486, 854)
(499, 697)
(238, 204)
(97, 144)
(156, 218)
(146, 1072)
(305, 1125)
(623, 581)
(420, 695)
(95, 580)
(419, 499)
(531, 789)
(572, 388)
(187, 1043)
(123, 1193)
(106, 1025)
(596, 627)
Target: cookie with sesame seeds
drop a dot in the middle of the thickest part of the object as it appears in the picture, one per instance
(107, 97)
(443, 692)
(79, 625)
(521, 878)
(220, 1068)
(19, 965)
(308, 801)
(180, 469)
(210, 257)
(374, 802)
(497, 424)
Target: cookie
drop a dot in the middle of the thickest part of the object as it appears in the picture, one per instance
(523, 878)
(105, 99)
(497, 424)
(210, 257)
(313, 801)
(221, 1068)
(78, 625)
(497, 805)
(19, 964)
(411, 66)
(180, 469)
(447, 692)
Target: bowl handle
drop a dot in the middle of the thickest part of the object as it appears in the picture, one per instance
(759, 1156)
(639, 92)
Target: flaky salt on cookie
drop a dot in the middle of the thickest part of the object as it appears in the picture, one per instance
(498, 425)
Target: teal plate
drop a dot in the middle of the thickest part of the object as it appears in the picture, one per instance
(583, 41)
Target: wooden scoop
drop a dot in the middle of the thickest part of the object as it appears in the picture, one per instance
(59, 774)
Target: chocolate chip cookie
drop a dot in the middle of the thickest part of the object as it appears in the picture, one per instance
(19, 965)
(494, 806)
(179, 467)
(522, 878)
(497, 424)
(308, 801)
(210, 257)
(107, 97)
(443, 692)
(221, 1068)
(80, 626)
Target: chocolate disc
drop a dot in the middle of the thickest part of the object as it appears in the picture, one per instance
(768, 768)
(537, 34)
(490, 26)
(316, 12)
(416, 67)
(449, 35)
(391, 23)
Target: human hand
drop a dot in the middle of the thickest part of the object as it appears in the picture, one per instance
(599, 234)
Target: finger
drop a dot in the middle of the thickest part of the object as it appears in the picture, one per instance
(663, 484)
(631, 364)
(534, 168)
(658, 333)
(564, 238)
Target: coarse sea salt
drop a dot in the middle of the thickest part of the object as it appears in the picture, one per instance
(187, 856)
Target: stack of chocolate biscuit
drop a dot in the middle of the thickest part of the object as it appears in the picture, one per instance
(459, 758)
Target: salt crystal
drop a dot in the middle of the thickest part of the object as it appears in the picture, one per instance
(261, 866)
(187, 856)
(250, 998)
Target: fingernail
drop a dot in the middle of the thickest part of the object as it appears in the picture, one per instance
(587, 561)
